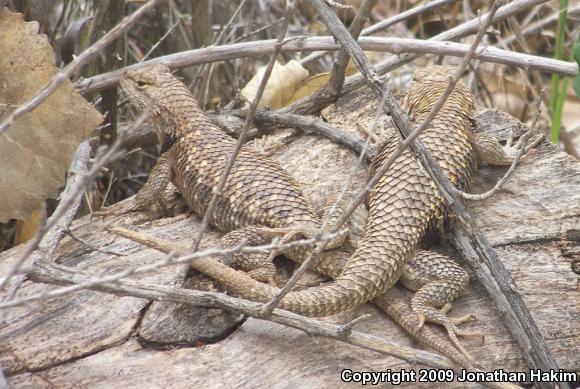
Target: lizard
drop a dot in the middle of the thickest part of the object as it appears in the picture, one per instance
(259, 193)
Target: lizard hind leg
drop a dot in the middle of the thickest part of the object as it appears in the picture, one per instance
(259, 265)
(438, 281)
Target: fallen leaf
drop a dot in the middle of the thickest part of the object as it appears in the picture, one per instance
(35, 152)
(284, 80)
(312, 84)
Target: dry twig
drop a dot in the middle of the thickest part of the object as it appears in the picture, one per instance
(395, 45)
(60, 274)
(169, 260)
(384, 24)
(467, 28)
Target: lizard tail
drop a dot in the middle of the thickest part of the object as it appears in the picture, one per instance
(392, 235)
(318, 301)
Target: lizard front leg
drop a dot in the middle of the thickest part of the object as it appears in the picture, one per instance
(158, 190)
(490, 151)
(260, 265)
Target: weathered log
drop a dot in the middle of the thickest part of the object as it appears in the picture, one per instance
(91, 338)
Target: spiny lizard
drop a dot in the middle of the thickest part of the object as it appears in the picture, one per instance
(262, 200)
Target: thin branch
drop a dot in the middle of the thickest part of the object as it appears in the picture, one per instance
(332, 88)
(410, 13)
(334, 4)
(258, 30)
(169, 260)
(541, 24)
(467, 28)
(384, 24)
(77, 64)
(160, 40)
(312, 125)
(397, 46)
(345, 330)
(91, 247)
(49, 273)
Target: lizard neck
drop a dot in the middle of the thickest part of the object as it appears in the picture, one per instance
(178, 113)
(423, 96)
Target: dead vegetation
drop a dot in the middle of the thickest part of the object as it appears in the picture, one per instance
(305, 85)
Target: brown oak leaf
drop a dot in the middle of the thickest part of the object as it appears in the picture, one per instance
(36, 150)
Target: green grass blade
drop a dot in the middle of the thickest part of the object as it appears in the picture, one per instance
(558, 54)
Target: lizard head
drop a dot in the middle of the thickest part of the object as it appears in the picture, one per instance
(169, 101)
(429, 83)
(437, 73)
(145, 87)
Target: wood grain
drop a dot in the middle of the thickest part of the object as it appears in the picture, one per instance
(89, 339)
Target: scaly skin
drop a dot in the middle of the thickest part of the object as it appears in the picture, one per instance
(392, 303)
(402, 206)
(260, 194)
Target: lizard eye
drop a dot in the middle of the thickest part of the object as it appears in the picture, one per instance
(141, 84)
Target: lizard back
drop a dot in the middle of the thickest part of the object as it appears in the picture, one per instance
(402, 205)
(257, 192)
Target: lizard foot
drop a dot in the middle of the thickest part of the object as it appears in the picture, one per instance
(527, 142)
(258, 265)
(449, 323)
(457, 320)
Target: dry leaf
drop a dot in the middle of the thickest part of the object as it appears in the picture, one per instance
(35, 152)
(284, 80)
(312, 84)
